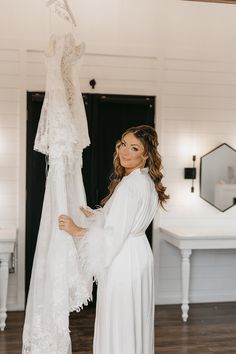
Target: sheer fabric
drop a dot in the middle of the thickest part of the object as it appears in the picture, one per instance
(62, 130)
(57, 283)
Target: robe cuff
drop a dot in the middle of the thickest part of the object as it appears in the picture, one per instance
(92, 247)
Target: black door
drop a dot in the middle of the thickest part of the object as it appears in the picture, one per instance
(35, 181)
(108, 117)
(112, 115)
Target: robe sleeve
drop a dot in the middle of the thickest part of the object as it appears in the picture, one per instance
(106, 237)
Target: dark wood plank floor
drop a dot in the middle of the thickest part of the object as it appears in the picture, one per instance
(211, 328)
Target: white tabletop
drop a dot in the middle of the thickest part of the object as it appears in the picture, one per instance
(199, 238)
(200, 233)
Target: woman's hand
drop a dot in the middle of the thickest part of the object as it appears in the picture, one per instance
(87, 212)
(68, 225)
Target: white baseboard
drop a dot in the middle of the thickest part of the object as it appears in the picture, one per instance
(14, 306)
(196, 298)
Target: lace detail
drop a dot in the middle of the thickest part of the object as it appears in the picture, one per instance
(58, 284)
(62, 130)
(66, 70)
(70, 55)
(46, 330)
(45, 342)
(91, 248)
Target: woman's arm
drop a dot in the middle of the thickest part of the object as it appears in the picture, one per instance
(105, 241)
(68, 225)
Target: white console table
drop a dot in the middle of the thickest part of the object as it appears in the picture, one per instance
(7, 243)
(187, 240)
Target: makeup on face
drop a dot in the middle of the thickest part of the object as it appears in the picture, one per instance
(131, 153)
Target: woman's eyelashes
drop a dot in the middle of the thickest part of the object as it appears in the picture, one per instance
(132, 148)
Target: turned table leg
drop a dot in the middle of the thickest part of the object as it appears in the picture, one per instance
(186, 253)
(4, 259)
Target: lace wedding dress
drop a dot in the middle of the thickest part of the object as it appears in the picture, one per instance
(57, 284)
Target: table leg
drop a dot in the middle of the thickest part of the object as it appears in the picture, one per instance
(3, 289)
(186, 253)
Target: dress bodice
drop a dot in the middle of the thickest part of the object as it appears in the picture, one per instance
(62, 130)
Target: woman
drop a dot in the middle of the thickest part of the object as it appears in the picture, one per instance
(119, 255)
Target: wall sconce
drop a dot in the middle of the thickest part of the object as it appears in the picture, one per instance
(191, 173)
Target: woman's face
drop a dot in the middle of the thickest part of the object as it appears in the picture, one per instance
(131, 153)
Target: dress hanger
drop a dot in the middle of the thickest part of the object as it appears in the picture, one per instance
(63, 4)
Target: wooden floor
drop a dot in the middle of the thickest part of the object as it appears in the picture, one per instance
(211, 328)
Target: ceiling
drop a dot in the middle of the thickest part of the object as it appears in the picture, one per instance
(218, 1)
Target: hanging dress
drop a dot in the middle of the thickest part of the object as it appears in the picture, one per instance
(57, 285)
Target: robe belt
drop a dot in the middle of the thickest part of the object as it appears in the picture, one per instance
(137, 234)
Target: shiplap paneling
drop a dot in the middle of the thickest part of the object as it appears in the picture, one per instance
(113, 73)
(9, 68)
(9, 55)
(198, 113)
(9, 121)
(9, 149)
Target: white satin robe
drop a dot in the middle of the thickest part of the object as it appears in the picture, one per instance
(122, 261)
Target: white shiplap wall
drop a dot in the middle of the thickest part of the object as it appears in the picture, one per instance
(198, 113)
(9, 123)
(124, 74)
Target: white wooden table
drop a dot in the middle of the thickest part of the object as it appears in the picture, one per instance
(7, 243)
(186, 240)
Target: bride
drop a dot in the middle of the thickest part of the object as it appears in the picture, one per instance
(116, 250)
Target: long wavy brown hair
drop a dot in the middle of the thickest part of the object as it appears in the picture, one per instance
(148, 137)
